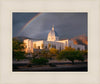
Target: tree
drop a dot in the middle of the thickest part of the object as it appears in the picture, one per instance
(62, 55)
(70, 55)
(34, 55)
(39, 61)
(18, 45)
(69, 49)
(18, 49)
(53, 51)
(18, 55)
(44, 53)
(84, 52)
(80, 56)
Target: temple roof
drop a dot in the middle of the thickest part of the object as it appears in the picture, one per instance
(53, 32)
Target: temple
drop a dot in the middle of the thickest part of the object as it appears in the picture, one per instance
(52, 42)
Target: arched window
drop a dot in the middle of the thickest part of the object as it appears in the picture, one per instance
(38, 47)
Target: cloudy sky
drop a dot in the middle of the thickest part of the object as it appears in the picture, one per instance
(38, 25)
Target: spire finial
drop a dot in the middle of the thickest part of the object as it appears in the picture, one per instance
(52, 27)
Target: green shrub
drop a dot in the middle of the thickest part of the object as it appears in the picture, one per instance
(39, 61)
(18, 55)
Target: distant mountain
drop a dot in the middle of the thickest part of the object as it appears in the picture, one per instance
(82, 39)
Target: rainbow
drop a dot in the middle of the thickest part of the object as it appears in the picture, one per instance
(29, 23)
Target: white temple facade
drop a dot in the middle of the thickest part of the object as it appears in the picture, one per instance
(52, 42)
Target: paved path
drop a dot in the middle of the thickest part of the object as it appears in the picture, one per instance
(65, 67)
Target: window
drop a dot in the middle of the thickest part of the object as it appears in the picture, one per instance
(38, 47)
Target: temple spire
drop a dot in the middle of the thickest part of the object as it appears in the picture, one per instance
(52, 35)
(52, 27)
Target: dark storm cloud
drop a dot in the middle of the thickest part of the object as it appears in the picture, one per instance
(67, 25)
(19, 20)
